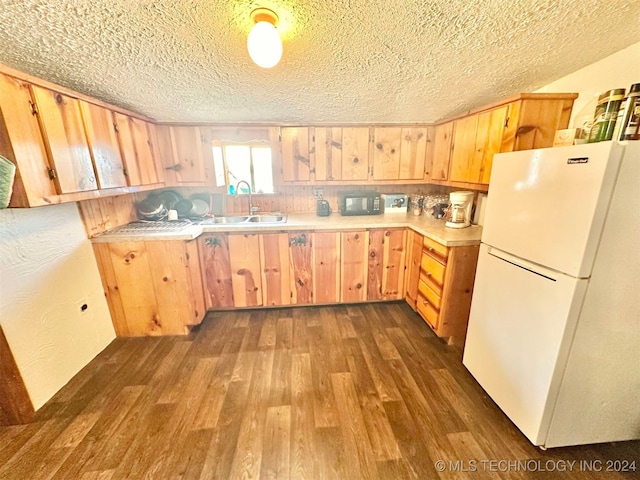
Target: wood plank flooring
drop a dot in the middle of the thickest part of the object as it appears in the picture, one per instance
(347, 392)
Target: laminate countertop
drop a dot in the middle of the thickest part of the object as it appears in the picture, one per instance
(424, 225)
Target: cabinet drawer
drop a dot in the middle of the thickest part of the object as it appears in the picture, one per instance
(433, 297)
(432, 269)
(435, 249)
(427, 311)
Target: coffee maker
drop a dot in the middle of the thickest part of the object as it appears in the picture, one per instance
(460, 209)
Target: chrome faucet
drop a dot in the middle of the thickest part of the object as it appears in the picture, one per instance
(252, 209)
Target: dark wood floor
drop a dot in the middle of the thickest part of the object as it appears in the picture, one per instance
(348, 392)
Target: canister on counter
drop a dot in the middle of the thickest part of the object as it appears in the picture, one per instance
(604, 120)
(628, 122)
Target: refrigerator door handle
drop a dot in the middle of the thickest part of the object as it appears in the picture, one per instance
(518, 262)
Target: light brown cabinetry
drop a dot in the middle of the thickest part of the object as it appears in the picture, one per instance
(103, 144)
(187, 160)
(152, 288)
(21, 142)
(301, 255)
(216, 270)
(63, 132)
(326, 267)
(445, 286)
(340, 153)
(399, 153)
(523, 122)
(412, 271)
(137, 152)
(246, 279)
(354, 253)
(295, 154)
(386, 264)
(276, 272)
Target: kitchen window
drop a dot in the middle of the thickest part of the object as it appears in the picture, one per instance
(250, 162)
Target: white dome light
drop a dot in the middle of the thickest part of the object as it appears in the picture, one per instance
(264, 43)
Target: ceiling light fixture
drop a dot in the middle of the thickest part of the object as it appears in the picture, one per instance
(264, 43)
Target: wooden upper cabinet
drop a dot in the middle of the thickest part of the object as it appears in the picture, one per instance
(327, 152)
(21, 142)
(413, 153)
(295, 154)
(386, 153)
(355, 153)
(530, 121)
(136, 150)
(144, 152)
(187, 155)
(103, 144)
(441, 156)
(63, 131)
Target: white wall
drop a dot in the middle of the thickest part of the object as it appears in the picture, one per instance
(620, 70)
(47, 271)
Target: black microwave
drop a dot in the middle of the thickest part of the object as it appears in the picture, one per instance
(360, 203)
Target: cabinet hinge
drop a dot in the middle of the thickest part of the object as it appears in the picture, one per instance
(506, 122)
(115, 127)
(188, 257)
(279, 138)
(34, 108)
(52, 173)
(125, 172)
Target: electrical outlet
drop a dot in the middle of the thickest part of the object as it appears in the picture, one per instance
(317, 193)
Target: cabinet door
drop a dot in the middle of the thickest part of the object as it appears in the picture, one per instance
(216, 270)
(327, 152)
(154, 140)
(127, 149)
(353, 266)
(187, 154)
(244, 258)
(355, 153)
(386, 153)
(442, 143)
(144, 153)
(413, 153)
(295, 154)
(326, 267)
(489, 133)
(164, 152)
(386, 264)
(412, 272)
(276, 275)
(465, 160)
(477, 138)
(300, 251)
(21, 142)
(103, 143)
(63, 131)
(148, 287)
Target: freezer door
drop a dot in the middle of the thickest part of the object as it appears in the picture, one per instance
(548, 206)
(521, 323)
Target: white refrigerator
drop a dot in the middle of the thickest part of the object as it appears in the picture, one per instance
(554, 328)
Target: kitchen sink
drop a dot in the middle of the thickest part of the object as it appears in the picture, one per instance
(245, 219)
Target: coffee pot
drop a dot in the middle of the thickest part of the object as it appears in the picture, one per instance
(460, 209)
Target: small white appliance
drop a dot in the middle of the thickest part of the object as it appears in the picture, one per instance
(394, 202)
(460, 209)
(554, 330)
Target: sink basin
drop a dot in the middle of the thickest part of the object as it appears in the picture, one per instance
(244, 220)
(267, 219)
(239, 219)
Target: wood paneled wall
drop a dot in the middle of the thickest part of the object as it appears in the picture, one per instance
(101, 214)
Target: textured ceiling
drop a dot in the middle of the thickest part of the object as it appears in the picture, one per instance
(350, 61)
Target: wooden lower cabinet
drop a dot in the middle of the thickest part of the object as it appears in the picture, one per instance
(353, 266)
(300, 252)
(445, 286)
(386, 264)
(152, 288)
(326, 267)
(246, 280)
(276, 273)
(412, 269)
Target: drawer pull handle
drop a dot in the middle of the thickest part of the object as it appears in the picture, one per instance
(424, 302)
(431, 249)
(428, 274)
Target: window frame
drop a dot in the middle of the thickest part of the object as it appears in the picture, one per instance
(251, 145)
